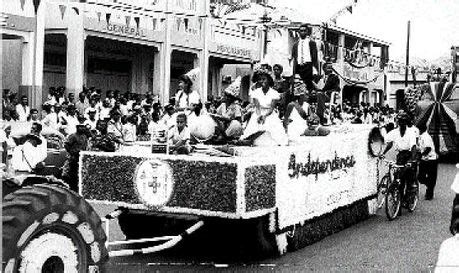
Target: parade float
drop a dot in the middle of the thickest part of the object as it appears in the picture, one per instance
(295, 194)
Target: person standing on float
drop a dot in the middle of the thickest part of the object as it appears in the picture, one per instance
(304, 57)
(265, 118)
(187, 99)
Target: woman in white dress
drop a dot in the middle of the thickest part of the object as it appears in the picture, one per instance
(265, 120)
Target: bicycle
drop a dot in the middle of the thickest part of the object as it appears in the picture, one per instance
(391, 194)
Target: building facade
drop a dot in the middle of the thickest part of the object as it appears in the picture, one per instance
(129, 45)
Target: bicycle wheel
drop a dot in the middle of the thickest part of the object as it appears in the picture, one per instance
(413, 197)
(393, 201)
(382, 190)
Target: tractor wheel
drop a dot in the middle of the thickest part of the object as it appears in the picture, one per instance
(48, 228)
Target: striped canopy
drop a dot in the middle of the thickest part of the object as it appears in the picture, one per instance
(436, 105)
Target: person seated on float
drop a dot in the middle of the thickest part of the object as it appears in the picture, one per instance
(265, 118)
(297, 111)
(186, 98)
(282, 86)
(229, 114)
(32, 151)
(179, 136)
(404, 142)
(114, 126)
(314, 127)
(325, 88)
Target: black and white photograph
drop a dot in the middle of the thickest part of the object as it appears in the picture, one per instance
(229, 136)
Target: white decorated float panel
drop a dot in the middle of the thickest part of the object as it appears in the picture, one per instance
(311, 177)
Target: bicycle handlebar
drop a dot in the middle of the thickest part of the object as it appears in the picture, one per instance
(393, 163)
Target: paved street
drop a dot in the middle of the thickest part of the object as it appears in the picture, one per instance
(409, 243)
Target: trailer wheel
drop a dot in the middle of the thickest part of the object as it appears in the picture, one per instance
(48, 228)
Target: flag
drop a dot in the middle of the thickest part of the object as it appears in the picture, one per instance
(22, 4)
(107, 18)
(128, 20)
(137, 21)
(349, 8)
(36, 4)
(62, 8)
(98, 15)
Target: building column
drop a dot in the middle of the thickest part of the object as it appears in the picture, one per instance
(341, 49)
(28, 56)
(204, 58)
(32, 62)
(162, 64)
(75, 55)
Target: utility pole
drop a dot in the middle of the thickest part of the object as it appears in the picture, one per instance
(407, 62)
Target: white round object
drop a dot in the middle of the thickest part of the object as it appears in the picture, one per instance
(48, 245)
(203, 127)
(265, 140)
(154, 182)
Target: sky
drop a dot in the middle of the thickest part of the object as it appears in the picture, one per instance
(434, 23)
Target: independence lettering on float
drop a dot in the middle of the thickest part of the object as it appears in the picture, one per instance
(316, 167)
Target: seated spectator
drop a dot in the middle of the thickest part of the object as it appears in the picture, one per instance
(50, 119)
(129, 129)
(114, 125)
(23, 109)
(34, 115)
(168, 118)
(105, 109)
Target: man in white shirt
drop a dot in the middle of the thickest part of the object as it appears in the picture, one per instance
(22, 109)
(33, 151)
(429, 163)
(305, 57)
(404, 142)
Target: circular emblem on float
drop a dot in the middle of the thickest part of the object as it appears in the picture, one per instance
(154, 182)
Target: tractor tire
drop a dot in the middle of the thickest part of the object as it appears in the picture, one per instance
(49, 228)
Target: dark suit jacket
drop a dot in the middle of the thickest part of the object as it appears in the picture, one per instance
(332, 84)
(313, 51)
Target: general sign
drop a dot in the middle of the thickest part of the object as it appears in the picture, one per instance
(154, 182)
(126, 30)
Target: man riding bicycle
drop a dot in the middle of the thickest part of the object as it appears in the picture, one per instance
(404, 142)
